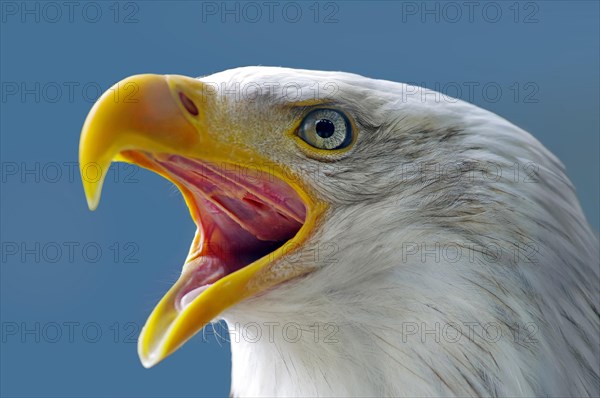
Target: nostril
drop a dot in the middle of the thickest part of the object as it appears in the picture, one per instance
(188, 104)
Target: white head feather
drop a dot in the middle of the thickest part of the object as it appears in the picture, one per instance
(478, 279)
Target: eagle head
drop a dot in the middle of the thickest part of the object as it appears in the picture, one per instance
(370, 238)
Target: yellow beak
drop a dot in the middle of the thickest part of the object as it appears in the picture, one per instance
(153, 114)
(141, 113)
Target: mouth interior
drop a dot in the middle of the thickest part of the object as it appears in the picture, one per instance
(241, 215)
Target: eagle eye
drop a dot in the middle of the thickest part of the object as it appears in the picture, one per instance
(326, 129)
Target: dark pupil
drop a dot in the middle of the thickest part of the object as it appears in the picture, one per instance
(325, 128)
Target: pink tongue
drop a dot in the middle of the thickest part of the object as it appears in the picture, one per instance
(189, 297)
(205, 270)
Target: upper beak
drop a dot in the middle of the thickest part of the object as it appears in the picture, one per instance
(152, 113)
(136, 113)
(165, 114)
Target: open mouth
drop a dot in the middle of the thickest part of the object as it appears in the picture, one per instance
(241, 216)
(246, 206)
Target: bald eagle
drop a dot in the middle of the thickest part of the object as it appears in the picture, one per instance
(367, 237)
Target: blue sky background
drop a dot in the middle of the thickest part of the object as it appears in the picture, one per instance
(76, 286)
